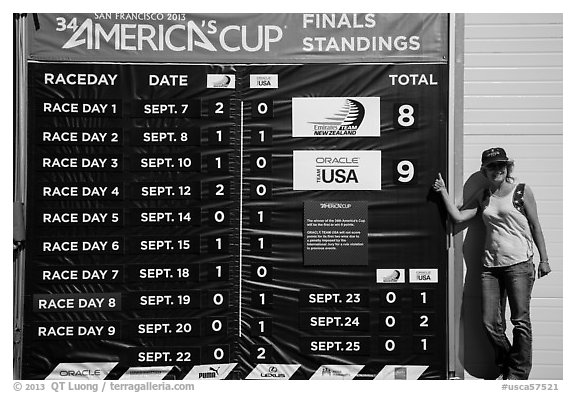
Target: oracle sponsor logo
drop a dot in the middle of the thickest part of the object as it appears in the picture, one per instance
(94, 371)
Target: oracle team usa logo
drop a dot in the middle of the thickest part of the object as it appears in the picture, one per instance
(336, 170)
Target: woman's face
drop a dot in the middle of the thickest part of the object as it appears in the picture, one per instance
(496, 172)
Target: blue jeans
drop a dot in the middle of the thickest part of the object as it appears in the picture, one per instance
(514, 282)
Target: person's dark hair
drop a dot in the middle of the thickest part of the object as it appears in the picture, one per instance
(509, 169)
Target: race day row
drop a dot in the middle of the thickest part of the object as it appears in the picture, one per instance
(191, 162)
(116, 301)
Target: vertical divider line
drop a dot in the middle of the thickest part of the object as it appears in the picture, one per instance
(241, 217)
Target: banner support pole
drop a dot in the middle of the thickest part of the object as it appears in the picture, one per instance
(19, 191)
(455, 176)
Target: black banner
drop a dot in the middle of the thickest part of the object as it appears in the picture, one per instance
(275, 220)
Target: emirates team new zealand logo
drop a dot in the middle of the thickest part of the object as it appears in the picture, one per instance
(345, 121)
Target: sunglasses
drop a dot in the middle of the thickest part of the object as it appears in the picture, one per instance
(496, 166)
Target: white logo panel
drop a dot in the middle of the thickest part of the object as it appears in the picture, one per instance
(273, 371)
(221, 81)
(423, 275)
(264, 81)
(338, 371)
(408, 372)
(335, 117)
(387, 276)
(89, 371)
(336, 170)
(151, 373)
(211, 371)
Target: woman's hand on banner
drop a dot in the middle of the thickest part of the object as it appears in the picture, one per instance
(439, 183)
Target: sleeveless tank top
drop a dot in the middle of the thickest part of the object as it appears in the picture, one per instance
(508, 236)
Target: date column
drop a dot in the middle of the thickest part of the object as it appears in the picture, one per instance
(181, 209)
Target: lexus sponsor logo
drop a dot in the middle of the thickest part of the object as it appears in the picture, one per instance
(335, 116)
(273, 371)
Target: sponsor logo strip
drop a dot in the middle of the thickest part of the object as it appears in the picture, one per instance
(95, 371)
(343, 372)
(392, 372)
(211, 371)
(273, 371)
(134, 373)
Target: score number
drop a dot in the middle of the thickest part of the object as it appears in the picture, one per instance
(405, 116)
(219, 109)
(405, 171)
(263, 109)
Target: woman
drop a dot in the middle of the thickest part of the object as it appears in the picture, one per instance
(508, 271)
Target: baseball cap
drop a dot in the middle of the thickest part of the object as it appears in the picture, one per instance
(495, 154)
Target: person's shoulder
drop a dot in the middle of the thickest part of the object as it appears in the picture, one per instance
(528, 189)
(475, 200)
(483, 196)
(528, 194)
(518, 186)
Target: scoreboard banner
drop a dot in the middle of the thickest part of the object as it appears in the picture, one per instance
(252, 38)
(213, 219)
